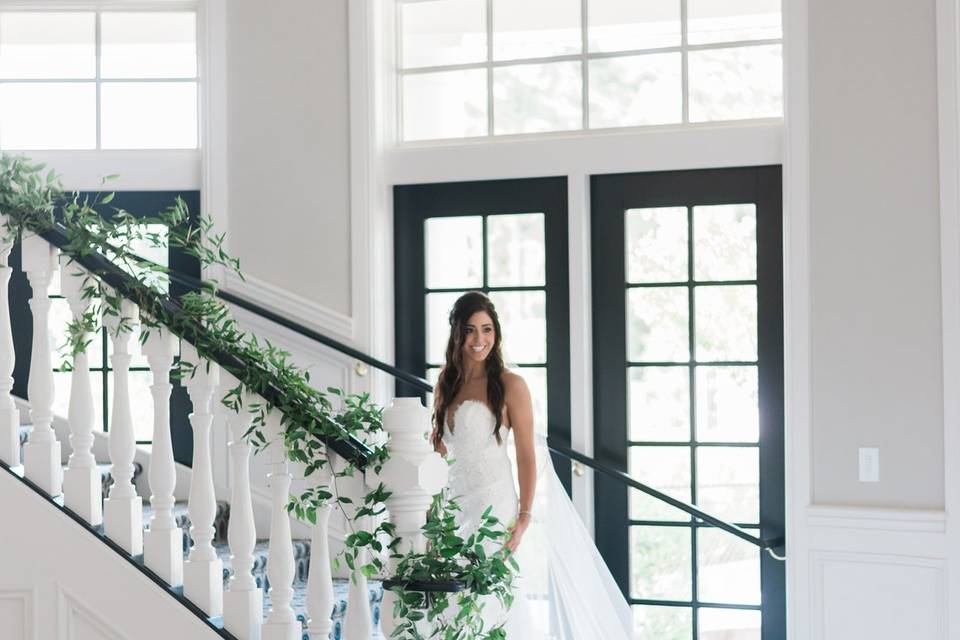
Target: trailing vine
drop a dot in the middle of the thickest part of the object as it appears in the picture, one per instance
(32, 201)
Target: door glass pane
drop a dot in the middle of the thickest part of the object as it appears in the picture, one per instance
(726, 323)
(47, 45)
(729, 624)
(728, 568)
(446, 104)
(439, 306)
(728, 483)
(35, 116)
(657, 324)
(660, 565)
(516, 255)
(148, 45)
(148, 115)
(635, 90)
(659, 403)
(725, 242)
(732, 20)
(727, 404)
(662, 623)
(523, 320)
(614, 25)
(454, 250)
(536, 28)
(736, 83)
(536, 378)
(443, 33)
(666, 469)
(535, 98)
(656, 244)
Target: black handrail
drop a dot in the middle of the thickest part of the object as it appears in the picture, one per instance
(195, 284)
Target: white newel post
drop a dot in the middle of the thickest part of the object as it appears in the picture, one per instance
(9, 414)
(243, 601)
(41, 453)
(203, 570)
(123, 510)
(163, 541)
(413, 474)
(320, 580)
(82, 488)
(281, 623)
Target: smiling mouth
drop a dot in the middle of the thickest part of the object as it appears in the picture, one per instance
(478, 349)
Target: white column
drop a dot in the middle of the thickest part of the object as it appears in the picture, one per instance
(358, 624)
(243, 601)
(203, 570)
(163, 541)
(281, 623)
(41, 453)
(123, 510)
(413, 474)
(82, 486)
(320, 583)
(9, 414)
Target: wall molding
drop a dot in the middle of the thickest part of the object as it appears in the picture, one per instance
(26, 599)
(70, 610)
(870, 519)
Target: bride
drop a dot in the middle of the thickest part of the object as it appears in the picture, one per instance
(478, 404)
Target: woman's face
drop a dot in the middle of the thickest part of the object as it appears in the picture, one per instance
(479, 336)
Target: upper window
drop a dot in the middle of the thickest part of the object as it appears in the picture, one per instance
(98, 80)
(495, 67)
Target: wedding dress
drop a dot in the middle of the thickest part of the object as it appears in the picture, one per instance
(564, 590)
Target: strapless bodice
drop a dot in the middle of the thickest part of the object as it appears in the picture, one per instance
(479, 462)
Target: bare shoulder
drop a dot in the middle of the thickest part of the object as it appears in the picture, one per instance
(514, 385)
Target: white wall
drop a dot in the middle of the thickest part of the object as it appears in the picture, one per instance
(288, 146)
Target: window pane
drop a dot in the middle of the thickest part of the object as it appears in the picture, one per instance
(523, 320)
(148, 45)
(725, 242)
(439, 306)
(454, 250)
(728, 483)
(728, 569)
(657, 245)
(729, 624)
(660, 565)
(736, 83)
(657, 324)
(48, 116)
(448, 104)
(534, 98)
(726, 322)
(443, 33)
(732, 20)
(666, 469)
(61, 396)
(516, 255)
(659, 403)
(615, 25)
(536, 28)
(662, 623)
(727, 404)
(142, 243)
(433, 374)
(536, 378)
(636, 90)
(47, 45)
(148, 115)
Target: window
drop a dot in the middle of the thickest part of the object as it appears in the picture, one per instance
(98, 80)
(688, 394)
(473, 68)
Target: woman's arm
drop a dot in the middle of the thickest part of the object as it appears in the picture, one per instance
(520, 412)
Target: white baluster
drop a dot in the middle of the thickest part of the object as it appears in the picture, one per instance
(41, 453)
(82, 486)
(243, 601)
(203, 570)
(163, 541)
(9, 414)
(358, 624)
(281, 623)
(123, 510)
(407, 422)
(320, 582)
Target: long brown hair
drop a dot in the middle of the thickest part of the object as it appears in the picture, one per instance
(451, 376)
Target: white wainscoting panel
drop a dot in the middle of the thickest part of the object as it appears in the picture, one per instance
(78, 622)
(16, 614)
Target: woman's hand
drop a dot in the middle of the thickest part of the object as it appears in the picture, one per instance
(516, 532)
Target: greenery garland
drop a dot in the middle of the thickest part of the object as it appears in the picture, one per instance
(31, 201)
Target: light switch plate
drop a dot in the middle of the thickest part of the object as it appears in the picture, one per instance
(869, 464)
